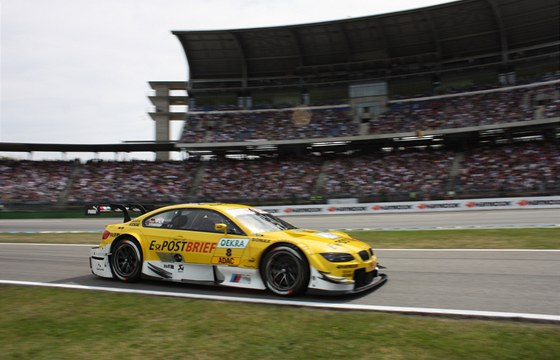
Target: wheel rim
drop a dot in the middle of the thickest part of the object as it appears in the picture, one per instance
(126, 260)
(283, 271)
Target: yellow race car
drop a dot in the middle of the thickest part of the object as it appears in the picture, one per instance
(231, 245)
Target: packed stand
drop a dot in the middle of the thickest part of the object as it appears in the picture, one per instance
(136, 181)
(268, 125)
(40, 182)
(530, 168)
(444, 112)
(259, 180)
(476, 109)
(399, 175)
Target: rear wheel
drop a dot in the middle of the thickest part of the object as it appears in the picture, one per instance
(126, 260)
(285, 271)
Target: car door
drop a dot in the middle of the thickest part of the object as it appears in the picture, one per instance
(189, 235)
(210, 246)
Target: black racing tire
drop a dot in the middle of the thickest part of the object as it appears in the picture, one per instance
(285, 271)
(126, 260)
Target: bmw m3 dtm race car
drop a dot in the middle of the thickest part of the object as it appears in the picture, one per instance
(231, 245)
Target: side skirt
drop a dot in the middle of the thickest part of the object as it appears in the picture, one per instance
(230, 276)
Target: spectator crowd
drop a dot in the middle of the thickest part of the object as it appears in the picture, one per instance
(33, 181)
(527, 168)
(269, 125)
(477, 109)
(389, 175)
(496, 106)
(515, 169)
(262, 179)
(136, 181)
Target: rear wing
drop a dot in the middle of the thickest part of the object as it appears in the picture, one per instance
(125, 209)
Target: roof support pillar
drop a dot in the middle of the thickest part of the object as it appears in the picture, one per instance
(162, 135)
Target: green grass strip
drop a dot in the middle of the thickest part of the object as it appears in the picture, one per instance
(523, 238)
(41, 323)
(526, 238)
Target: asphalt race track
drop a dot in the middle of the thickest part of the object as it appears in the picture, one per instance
(510, 281)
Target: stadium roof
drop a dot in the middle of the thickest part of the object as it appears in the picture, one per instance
(436, 34)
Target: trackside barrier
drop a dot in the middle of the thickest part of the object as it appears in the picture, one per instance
(542, 202)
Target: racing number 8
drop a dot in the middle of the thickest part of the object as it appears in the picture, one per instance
(228, 252)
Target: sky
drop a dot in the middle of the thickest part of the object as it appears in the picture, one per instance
(77, 71)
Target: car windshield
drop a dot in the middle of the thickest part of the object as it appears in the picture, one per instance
(259, 221)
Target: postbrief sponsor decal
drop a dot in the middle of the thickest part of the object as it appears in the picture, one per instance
(168, 245)
(184, 246)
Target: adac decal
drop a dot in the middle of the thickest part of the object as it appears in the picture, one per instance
(233, 243)
(225, 260)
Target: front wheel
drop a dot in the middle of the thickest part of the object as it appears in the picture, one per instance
(126, 261)
(285, 271)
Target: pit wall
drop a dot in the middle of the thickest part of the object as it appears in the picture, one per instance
(542, 202)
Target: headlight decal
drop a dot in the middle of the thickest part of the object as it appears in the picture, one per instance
(338, 257)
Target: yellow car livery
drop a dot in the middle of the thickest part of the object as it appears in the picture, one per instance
(232, 245)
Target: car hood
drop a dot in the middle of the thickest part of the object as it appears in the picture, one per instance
(333, 241)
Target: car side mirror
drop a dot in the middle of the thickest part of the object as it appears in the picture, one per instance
(221, 227)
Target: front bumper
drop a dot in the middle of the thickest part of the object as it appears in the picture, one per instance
(362, 281)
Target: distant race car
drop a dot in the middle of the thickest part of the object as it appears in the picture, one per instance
(231, 245)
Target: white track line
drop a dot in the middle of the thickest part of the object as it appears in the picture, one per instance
(391, 309)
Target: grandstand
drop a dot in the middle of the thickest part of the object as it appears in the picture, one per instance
(521, 168)
(458, 100)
